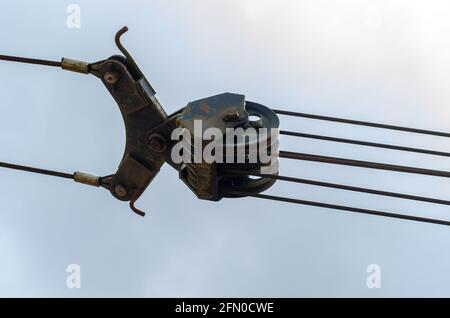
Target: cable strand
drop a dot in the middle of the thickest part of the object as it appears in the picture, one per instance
(341, 208)
(37, 170)
(362, 123)
(339, 186)
(365, 143)
(18, 59)
(362, 164)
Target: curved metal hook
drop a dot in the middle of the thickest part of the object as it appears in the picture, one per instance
(125, 52)
(136, 210)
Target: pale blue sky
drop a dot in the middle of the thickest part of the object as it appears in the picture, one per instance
(385, 61)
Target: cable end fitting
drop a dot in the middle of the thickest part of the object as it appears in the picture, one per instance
(86, 178)
(75, 66)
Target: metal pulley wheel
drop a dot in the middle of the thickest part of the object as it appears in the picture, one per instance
(228, 114)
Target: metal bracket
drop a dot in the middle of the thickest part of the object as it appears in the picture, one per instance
(141, 113)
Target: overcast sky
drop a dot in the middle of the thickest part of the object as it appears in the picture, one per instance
(384, 61)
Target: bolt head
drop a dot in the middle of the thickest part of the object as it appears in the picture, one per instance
(120, 190)
(157, 143)
(111, 78)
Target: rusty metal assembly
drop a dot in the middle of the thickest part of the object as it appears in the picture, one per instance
(226, 111)
(149, 129)
(150, 143)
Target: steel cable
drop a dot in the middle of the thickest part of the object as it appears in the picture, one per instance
(29, 60)
(340, 207)
(338, 186)
(37, 170)
(362, 164)
(364, 143)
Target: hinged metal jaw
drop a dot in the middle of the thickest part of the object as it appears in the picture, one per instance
(149, 129)
(141, 112)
